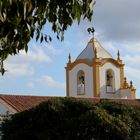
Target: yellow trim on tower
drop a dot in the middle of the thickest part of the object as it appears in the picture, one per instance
(67, 81)
(133, 90)
(67, 75)
(111, 60)
(83, 61)
(121, 76)
(96, 77)
(121, 69)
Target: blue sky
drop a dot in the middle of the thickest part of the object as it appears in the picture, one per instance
(42, 72)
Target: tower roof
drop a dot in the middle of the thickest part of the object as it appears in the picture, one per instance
(88, 52)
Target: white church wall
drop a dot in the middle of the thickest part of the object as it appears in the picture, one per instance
(120, 94)
(4, 107)
(125, 94)
(116, 71)
(88, 80)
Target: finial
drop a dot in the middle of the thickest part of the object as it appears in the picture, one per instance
(118, 54)
(69, 58)
(91, 30)
(131, 85)
(125, 84)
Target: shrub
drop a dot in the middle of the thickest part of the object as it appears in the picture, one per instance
(69, 118)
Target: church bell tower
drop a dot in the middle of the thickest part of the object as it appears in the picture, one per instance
(95, 73)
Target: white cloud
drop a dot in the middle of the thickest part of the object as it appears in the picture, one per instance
(132, 48)
(30, 85)
(132, 72)
(118, 20)
(53, 50)
(66, 44)
(83, 42)
(50, 82)
(36, 55)
(109, 46)
(132, 60)
(17, 69)
(23, 64)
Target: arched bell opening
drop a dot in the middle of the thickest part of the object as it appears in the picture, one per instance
(110, 81)
(80, 83)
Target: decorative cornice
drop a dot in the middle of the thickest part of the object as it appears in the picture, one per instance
(111, 60)
(96, 61)
(71, 65)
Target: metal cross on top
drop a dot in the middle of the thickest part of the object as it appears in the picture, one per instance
(91, 30)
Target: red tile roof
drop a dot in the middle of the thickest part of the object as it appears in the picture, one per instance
(135, 102)
(21, 103)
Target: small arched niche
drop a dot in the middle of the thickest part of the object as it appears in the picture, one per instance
(80, 83)
(110, 81)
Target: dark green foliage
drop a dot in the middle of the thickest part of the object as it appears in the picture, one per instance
(69, 118)
(21, 20)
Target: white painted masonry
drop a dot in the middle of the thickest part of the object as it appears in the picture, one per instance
(88, 80)
(103, 69)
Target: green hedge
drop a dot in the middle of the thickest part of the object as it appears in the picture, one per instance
(72, 119)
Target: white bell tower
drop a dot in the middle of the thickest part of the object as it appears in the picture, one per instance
(95, 73)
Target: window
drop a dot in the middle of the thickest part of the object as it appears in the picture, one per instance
(80, 83)
(110, 81)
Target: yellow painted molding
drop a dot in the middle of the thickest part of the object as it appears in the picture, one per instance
(125, 84)
(96, 77)
(96, 81)
(111, 60)
(121, 76)
(70, 66)
(67, 82)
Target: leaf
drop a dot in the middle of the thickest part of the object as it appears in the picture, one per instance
(46, 39)
(54, 27)
(37, 34)
(58, 37)
(26, 48)
(32, 33)
(28, 27)
(50, 39)
(27, 18)
(41, 38)
(25, 6)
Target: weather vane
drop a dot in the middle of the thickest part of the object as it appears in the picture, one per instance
(91, 30)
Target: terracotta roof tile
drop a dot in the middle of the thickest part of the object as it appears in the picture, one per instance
(135, 102)
(21, 103)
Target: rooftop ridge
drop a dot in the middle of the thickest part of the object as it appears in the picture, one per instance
(21, 102)
(88, 52)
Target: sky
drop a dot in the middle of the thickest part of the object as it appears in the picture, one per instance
(41, 71)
